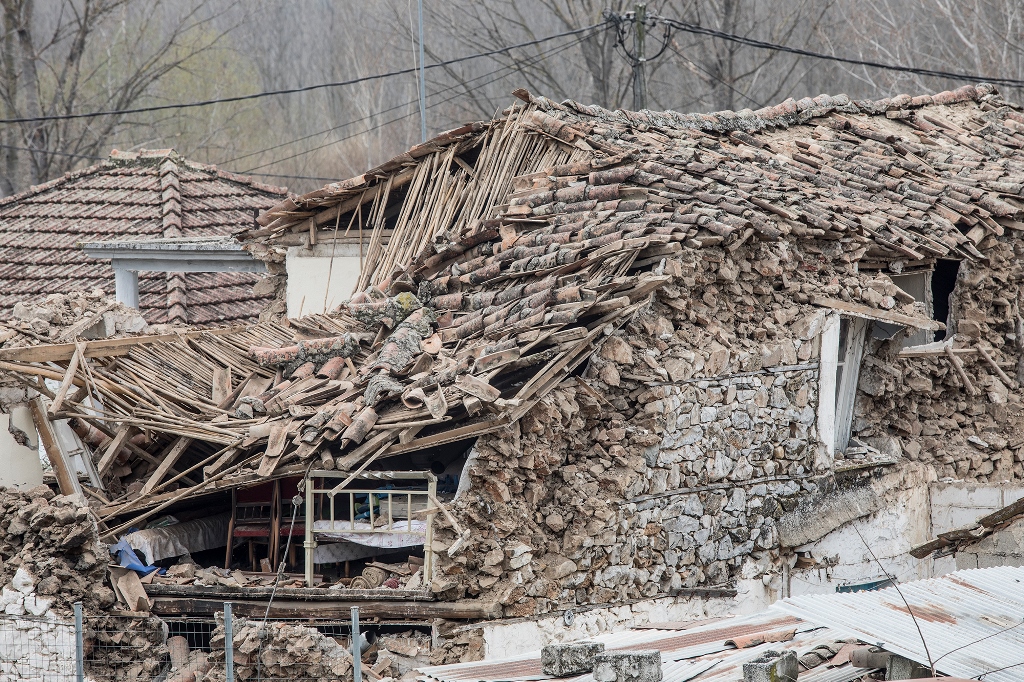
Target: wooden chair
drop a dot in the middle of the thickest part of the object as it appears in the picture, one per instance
(255, 517)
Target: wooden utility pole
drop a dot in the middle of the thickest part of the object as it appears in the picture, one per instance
(423, 80)
(639, 77)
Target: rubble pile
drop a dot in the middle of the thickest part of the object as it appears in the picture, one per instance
(65, 317)
(50, 554)
(277, 650)
(129, 648)
(919, 407)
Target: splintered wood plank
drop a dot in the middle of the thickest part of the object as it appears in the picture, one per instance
(62, 352)
(67, 479)
(866, 312)
(221, 384)
(114, 447)
(223, 461)
(65, 384)
(169, 460)
(130, 586)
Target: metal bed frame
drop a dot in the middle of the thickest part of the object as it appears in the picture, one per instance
(400, 527)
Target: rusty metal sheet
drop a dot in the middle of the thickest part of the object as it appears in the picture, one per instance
(972, 621)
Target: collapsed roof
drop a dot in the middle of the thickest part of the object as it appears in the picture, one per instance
(516, 245)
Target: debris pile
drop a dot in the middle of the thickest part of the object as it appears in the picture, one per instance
(274, 650)
(916, 402)
(63, 318)
(50, 554)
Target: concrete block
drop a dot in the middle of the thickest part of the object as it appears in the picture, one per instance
(900, 668)
(772, 666)
(628, 666)
(576, 658)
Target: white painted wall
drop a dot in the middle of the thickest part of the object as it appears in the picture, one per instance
(912, 515)
(512, 638)
(37, 649)
(19, 465)
(308, 284)
(961, 503)
(889, 533)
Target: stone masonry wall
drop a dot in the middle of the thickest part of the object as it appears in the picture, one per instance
(33, 648)
(919, 408)
(666, 463)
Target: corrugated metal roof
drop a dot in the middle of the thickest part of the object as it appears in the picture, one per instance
(967, 618)
(699, 654)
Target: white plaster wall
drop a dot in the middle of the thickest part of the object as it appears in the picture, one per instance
(308, 277)
(506, 639)
(19, 465)
(888, 534)
(961, 503)
(911, 515)
(37, 649)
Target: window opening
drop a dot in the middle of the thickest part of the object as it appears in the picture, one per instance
(918, 285)
(943, 283)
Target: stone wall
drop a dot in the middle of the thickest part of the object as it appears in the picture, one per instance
(36, 648)
(666, 465)
(919, 407)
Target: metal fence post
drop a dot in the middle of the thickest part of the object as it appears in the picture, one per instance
(79, 644)
(357, 654)
(229, 644)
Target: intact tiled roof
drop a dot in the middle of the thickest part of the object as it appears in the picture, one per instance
(132, 195)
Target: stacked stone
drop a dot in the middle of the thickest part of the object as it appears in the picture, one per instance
(711, 392)
(58, 312)
(50, 554)
(918, 408)
(278, 651)
(36, 649)
(126, 647)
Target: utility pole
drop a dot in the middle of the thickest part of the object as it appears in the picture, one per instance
(423, 81)
(639, 78)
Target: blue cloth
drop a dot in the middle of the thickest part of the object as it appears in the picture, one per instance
(127, 558)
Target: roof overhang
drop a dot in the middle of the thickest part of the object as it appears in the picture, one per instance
(204, 254)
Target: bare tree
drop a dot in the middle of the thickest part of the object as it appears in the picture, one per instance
(85, 55)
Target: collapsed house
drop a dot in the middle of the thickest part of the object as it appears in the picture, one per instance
(610, 366)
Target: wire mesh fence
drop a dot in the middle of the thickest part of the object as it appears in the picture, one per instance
(144, 648)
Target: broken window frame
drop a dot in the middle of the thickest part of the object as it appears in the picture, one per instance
(849, 354)
(842, 348)
(918, 284)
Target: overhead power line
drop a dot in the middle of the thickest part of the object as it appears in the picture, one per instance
(329, 143)
(751, 42)
(291, 91)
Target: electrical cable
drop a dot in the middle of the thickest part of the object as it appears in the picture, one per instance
(365, 118)
(52, 153)
(761, 44)
(290, 91)
(343, 125)
(895, 584)
(997, 670)
(711, 75)
(404, 116)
